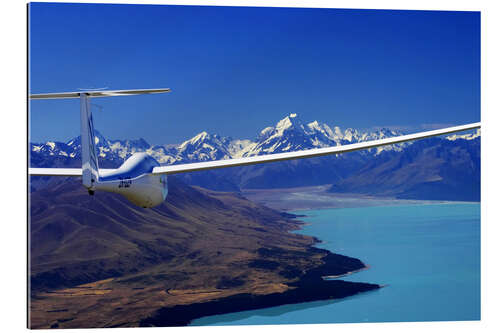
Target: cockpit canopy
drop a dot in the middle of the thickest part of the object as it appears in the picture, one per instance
(136, 165)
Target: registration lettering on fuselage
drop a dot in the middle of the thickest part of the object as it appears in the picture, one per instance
(125, 183)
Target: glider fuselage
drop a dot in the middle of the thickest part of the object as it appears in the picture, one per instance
(135, 181)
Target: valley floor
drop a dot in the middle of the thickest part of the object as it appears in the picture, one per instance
(318, 197)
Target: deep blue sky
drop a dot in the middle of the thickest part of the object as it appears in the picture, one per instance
(236, 70)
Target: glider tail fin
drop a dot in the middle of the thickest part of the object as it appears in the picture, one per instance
(90, 166)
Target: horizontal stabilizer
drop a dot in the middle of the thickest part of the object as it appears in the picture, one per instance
(99, 93)
(180, 168)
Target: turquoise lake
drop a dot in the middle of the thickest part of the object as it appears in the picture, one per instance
(426, 256)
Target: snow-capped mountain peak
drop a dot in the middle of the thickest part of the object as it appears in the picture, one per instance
(351, 135)
(290, 134)
(204, 147)
(324, 129)
(197, 138)
(289, 122)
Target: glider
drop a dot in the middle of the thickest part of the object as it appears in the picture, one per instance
(143, 181)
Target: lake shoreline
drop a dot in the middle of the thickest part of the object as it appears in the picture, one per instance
(310, 287)
(315, 285)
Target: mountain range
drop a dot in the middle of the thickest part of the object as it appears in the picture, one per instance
(364, 172)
